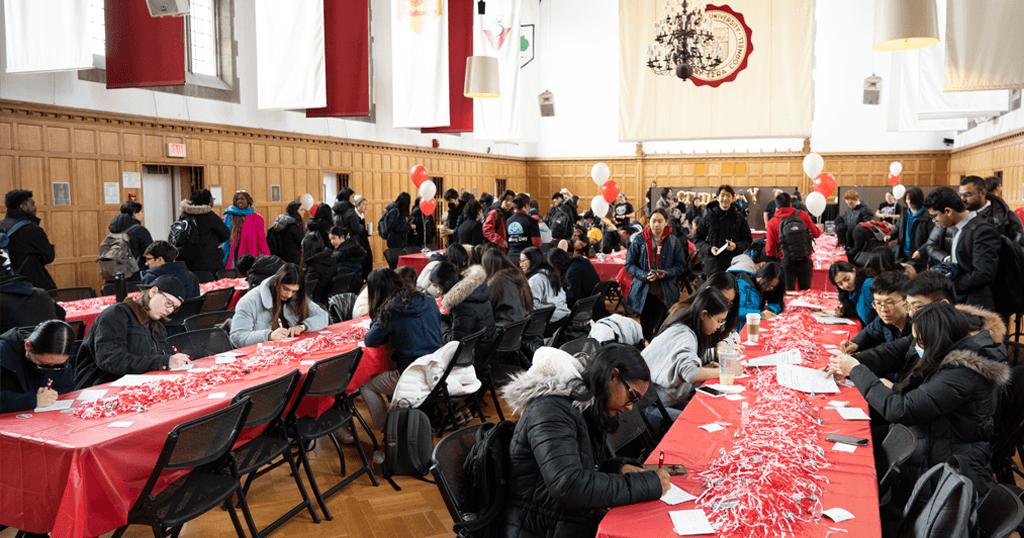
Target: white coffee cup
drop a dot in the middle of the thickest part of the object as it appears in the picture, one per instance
(753, 327)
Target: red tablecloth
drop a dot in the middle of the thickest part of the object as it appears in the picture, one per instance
(87, 309)
(758, 234)
(417, 261)
(79, 478)
(852, 483)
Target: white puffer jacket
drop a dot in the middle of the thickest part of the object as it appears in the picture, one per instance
(423, 374)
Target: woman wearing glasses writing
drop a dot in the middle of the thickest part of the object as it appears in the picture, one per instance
(35, 366)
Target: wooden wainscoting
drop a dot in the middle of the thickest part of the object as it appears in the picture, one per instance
(1001, 154)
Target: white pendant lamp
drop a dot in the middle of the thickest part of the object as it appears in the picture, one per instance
(481, 77)
(905, 24)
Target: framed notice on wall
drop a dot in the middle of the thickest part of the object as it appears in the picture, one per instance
(61, 193)
(111, 192)
(275, 193)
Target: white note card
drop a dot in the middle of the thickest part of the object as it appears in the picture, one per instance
(676, 496)
(307, 363)
(120, 424)
(785, 357)
(56, 406)
(217, 396)
(837, 514)
(186, 366)
(843, 447)
(710, 428)
(805, 379)
(224, 360)
(690, 522)
(91, 395)
(837, 403)
(131, 380)
(364, 324)
(728, 389)
(735, 397)
(852, 413)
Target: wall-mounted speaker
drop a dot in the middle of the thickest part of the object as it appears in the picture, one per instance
(872, 90)
(547, 104)
(167, 8)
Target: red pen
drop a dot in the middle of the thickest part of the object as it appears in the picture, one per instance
(661, 459)
(49, 383)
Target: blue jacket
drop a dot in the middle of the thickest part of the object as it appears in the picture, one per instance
(19, 380)
(878, 332)
(862, 299)
(177, 270)
(751, 300)
(414, 331)
(673, 262)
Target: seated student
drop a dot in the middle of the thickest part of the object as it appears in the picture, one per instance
(948, 398)
(580, 278)
(867, 237)
(277, 309)
(545, 283)
(468, 302)
(23, 305)
(761, 291)
(511, 296)
(128, 338)
(456, 254)
(407, 319)
(160, 258)
(32, 359)
(679, 355)
(854, 286)
(348, 254)
(892, 322)
(245, 262)
(726, 284)
(563, 475)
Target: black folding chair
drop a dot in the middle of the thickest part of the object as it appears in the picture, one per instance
(77, 293)
(897, 446)
(391, 256)
(201, 342)
(208, 320)
(582, 345)
(188, 308)
(219, 299)
(413, 249)
(329, 377)
(999, 513)
(463, 358)
(200, 445)
(340, 284)
(602, 289)
(449, 455)
(495, 368)
(227, 273)
(268, 404)
(539, 320)
(340, 306)
(577, 323)
(79, 327)
(110, 288)
(204, 276)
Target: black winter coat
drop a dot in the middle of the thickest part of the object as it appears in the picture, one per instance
(977, 252)
(19, 379)
(505, 299)
(426, 230)
(284, 238)
(849, 220)
(920, 230)
(263, 268)
(714, 229)
(138, 237)
(469, 310)
(1003, 218)
(345, 216)
(118, 343)
(471, 232)
(206, 255)
(30, 249)
(321, 223)
(23, 305)
(398, 227)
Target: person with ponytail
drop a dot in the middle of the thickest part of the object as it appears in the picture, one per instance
(277, 309)
(34, 367)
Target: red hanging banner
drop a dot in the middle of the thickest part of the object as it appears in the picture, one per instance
(460, 47)
(347, 54)
(142, 50)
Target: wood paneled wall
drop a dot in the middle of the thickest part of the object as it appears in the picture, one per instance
(1003, 153)
(41, 144)
(634, 175)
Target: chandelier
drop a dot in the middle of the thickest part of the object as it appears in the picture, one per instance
(683, 42)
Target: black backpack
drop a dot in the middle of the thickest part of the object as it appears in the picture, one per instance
(561, 225)
(795, 240)
(274, 240)
(483, 484)
(5, 240)
(1010, 276)
(408, 444)
(184, 233)
(383, 224)
(943, 503)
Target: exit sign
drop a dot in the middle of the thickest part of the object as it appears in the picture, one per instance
(176, 150)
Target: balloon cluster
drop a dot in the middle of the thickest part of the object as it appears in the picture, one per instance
(609, 190)
(427, 188)
(895, 169)
(824, 184)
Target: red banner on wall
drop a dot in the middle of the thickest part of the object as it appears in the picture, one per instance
(347, 48)
(142, 50)
(460, 47)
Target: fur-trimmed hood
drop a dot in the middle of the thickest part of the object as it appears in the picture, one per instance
(472, 279)
(990, 321)
(996, 373)
(283, 221)
(187, 207)
(553, 374)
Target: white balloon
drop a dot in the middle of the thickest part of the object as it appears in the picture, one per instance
(307, 201)
(898, 191)
(815, 203)
(896, 168)
(600, 173)
(427, 190)
(599, 206)
(813, 165)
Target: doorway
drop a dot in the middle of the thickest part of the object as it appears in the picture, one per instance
(158, 201)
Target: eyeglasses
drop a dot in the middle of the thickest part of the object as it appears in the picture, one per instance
(168, 303)
(633, 396)
(888, 306)
(54, 368)
(964, 195)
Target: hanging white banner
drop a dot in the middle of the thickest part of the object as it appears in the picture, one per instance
(497, 33)
(47, 35)
(290, 64)
(984, 45)
(419, 63)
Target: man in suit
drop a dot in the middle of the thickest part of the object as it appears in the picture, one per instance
(974, 249)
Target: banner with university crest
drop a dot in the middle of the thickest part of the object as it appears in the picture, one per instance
(497, 33)
(419, 63)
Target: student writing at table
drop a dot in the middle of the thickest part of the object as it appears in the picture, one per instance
(128, 338)
(892, 322)
(34, 367)
(277, 309)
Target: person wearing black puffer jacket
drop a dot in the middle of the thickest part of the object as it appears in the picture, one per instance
(127, 222)
(284, 237)
(468, 301)
(318, 229)
(564, 477)
(205, 254)
(722, 228)
(345, 212)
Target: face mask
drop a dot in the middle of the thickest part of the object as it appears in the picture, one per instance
(920, 351)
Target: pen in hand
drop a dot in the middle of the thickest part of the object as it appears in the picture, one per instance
(661, 459)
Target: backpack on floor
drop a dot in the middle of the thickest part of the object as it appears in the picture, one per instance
(795, 240)
(483, 484)
(115, 256)
(408, 444)
(942, 504)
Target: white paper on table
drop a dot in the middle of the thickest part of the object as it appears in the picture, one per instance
(180, 367)
(805, 379)
(229, 354)
(690, 522)
(735, 397)
(364, 324)
(711, 428)
(837, 404)
(56, 406)
(830, 346)
(837, 514)
(843, 447)
(852, 413)
(217, 396)
(784, 357)
(131, 380)
(798, 302)
(832, 320)
(289, 339)
(91, 395)
(325, 331)
(120, 424)
(841, 332)
(224, 360)
(834, 351)
(676, 495)
(307, 363)
(728, 389)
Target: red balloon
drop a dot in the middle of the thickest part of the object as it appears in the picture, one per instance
(610, 191)
(893, 180)
(418, 175)
(825, 184)
(428, 206)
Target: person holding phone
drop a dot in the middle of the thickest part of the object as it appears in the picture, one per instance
(655, 260)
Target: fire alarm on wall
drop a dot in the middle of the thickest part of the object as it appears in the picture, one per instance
(436, 143)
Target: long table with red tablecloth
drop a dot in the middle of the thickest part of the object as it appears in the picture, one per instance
(852, 483)
(79, 477)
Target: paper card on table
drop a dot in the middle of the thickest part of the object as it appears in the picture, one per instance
(843, 447)
(830, 346)
(735, 397)
(224, 360)
(364, 324)
(120, 424)
(131, 380)
(728, 389)
(217, 395)
(307, 363)
(841, 332)
(798, 302)
(847, 383)
(853, 413)
(837, 514)
(785, 357)
(229, 354)
(56, 406)
(289, 339)
(91, 395)
(325, 331)
(832, 320)
(837, 403)
(180, 367)
(710, 428)
(834, 351)
(676, 496)
(690, 522)
(805, 379)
